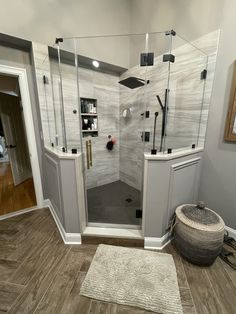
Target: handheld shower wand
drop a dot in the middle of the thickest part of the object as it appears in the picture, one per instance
(154, 151)
(164, 109)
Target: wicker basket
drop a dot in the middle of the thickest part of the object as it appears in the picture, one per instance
(198, 233)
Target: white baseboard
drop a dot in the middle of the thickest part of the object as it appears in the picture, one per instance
(68, 238)
(232, 232)
(19, 212)
(152, 243)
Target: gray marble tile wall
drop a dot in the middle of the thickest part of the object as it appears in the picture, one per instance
(189, 101)
(105, 89)
(42, 67)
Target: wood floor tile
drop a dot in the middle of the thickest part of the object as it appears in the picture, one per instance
(7, 267)
(35, 289)
(45, 276)
(83, 305)
(223, 286)
(99, 307)
(72, 301)
(205, 300)
(122, 309)
(8, 294)
(62, 284)
(32, 264)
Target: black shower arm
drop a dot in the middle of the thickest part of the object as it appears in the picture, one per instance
(160, 102)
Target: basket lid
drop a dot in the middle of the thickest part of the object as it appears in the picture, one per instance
(200, 217)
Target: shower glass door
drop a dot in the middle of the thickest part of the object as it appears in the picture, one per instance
(111, 84)
(118, 78)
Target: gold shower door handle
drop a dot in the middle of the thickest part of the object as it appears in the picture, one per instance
(89, 154)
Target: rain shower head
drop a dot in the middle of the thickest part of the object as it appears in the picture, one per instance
(133, 82)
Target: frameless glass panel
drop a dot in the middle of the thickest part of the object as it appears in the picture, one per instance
(64, 77)
(158, 77)
(47, 111)
(186, 93)
(57, 99)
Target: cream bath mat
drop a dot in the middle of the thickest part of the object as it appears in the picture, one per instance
(133, 277)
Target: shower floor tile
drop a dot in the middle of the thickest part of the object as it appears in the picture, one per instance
(114, 203)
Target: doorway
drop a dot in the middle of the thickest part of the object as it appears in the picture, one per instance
(16, 182)
(26, 176)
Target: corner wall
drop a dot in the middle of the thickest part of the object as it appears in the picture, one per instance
(218, 181)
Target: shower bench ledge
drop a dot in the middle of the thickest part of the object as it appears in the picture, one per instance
(175, 154)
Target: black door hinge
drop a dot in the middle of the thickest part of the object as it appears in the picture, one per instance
(139, 213)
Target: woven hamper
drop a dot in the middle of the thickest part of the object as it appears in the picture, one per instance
(198, 233)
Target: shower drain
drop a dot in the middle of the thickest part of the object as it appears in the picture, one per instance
(128, 200)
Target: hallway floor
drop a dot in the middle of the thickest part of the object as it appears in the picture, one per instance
(40, 274)
(114, 203)
(13, 198)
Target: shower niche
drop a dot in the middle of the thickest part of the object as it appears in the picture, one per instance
(89, 117)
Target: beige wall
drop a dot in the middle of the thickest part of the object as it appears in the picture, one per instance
(218, 181)
(43, 21)
(189, 18)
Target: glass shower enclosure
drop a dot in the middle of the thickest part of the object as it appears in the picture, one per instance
(117, 98)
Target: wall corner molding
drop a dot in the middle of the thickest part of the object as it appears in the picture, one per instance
(232, 232)
(152, 243)
(68, 238)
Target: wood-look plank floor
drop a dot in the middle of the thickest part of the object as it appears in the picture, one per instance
(13, 198)
(40, 274)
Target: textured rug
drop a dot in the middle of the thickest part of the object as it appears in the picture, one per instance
(133, 277)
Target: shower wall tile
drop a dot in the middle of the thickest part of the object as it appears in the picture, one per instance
(187, 110)
(105, 89)
(42, 67)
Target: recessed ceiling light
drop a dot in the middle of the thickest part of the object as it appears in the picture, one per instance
(95, 64)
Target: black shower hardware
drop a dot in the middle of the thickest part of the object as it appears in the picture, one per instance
(74, 150)
(169, 58)
(164, 109)
(204, 74)
(145, 114)
(45, 80)
(110, 143)
(145, 136)
(146, 59)
(133, 82)
(154, 151)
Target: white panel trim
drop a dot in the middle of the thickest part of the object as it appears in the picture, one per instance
(80, 191)
(145, 180)
(232, 232)
(55, 164)
(68, 238)
(21, 74)
(173, 169)
(152, 243)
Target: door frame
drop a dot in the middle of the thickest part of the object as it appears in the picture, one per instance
(21, 74)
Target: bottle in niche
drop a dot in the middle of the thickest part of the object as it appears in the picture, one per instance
(95, 123)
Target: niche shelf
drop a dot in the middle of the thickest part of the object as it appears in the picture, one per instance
(89, 116)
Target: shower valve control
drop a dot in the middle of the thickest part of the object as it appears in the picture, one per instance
(145, 136)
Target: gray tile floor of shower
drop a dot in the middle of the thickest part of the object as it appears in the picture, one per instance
(114, 203)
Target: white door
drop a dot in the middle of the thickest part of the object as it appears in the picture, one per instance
(13, 126)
